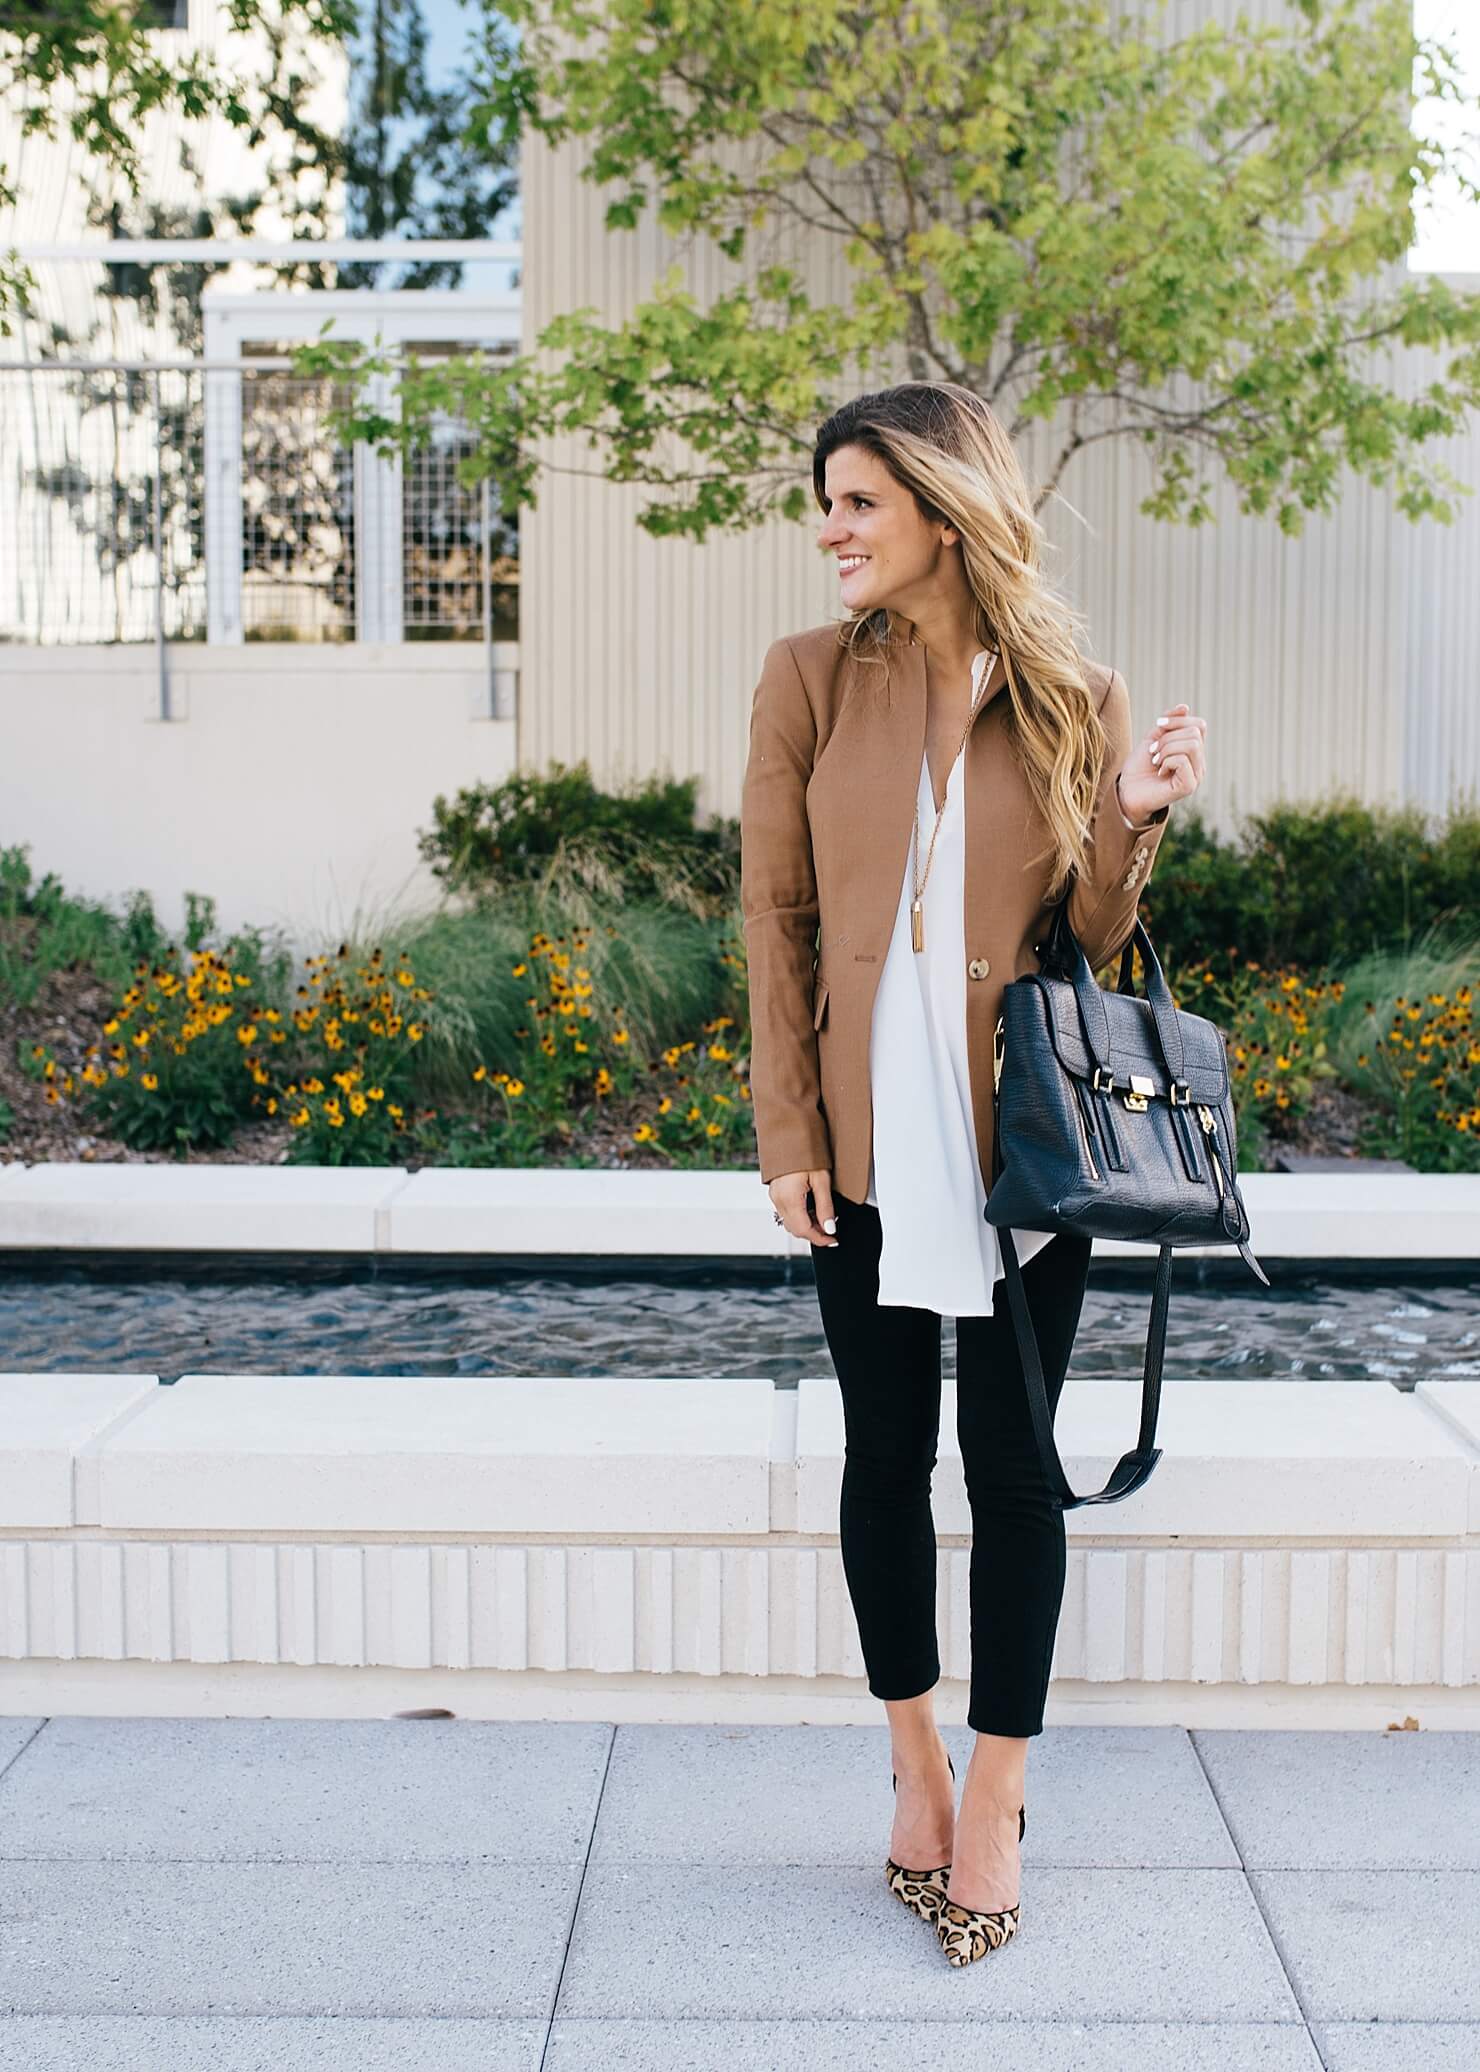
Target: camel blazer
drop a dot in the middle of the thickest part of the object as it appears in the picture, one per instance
(826, 835)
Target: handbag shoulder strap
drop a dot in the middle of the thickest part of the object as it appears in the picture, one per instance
(1133, 1468)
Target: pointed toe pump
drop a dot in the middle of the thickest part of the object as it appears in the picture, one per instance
(923, 1892)
(967, 1933)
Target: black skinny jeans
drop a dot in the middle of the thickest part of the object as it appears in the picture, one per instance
(888, 1366)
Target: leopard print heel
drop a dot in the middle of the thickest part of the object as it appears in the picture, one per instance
(923, 1892)
(967, 1933)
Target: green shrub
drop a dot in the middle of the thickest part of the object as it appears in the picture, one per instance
(1309, 887)
(569, 1051)
(643, 843)
(179, 1075)
(574, 1053)
(351, 1094)
(1406, 1037)
(44, 928)
(1275, 1024)
(665, 969)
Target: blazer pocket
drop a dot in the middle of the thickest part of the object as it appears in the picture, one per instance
(819, 1009)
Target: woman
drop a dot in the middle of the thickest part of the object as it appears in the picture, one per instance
(913, 810)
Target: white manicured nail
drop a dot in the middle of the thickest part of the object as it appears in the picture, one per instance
(830, 1225)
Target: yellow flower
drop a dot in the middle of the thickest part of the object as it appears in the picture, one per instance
(619, 1035)
(480, 1071)
(149, 1079)
(515, 1087)
(712, 1129)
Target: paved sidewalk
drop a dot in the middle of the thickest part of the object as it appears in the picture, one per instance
(445, 1895)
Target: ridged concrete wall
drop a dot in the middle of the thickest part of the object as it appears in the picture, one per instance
(1405, 1616)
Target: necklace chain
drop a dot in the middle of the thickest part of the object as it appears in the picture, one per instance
(917, 911)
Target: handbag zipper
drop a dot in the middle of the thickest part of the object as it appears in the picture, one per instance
(1210, 1129)
(1083, 1131)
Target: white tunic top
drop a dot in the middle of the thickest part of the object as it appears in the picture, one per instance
(925, 1178)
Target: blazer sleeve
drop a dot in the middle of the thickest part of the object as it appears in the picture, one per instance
(778, 900)
(1102, 902)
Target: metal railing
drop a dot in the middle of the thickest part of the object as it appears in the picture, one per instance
(212, 501)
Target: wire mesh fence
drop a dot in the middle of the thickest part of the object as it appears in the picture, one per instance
(214, 502)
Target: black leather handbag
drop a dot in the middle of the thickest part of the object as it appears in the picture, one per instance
(1113, 1118)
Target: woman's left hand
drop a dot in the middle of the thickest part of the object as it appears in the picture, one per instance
(1166, 766)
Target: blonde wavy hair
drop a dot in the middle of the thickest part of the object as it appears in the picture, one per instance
(947, 446)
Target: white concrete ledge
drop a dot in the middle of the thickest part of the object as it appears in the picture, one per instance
(1284, 1460)
(200, 1208)
(50, 1428)
(511, 1212)
(1301, 1543)
(1457, 1405)
(321, 1454)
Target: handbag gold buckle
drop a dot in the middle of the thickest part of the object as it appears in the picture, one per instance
(1107, 1086)
(1186, 1086)
(1141, 1089)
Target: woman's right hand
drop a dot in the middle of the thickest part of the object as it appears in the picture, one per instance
(789, 1192)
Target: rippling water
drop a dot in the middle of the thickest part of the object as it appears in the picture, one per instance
(166, 1317)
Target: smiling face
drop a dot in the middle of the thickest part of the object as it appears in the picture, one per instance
(888, 554)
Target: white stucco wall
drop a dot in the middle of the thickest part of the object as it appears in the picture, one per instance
(290, 784)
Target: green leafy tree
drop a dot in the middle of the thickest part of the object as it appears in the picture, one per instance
(1195, 241)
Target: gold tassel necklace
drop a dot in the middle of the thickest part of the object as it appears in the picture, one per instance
(917, 912)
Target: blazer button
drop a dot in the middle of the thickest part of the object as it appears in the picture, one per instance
(978, 967)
